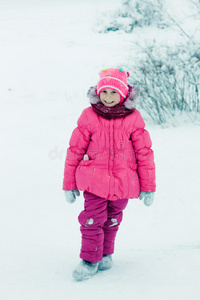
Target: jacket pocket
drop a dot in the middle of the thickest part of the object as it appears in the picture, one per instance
(83, 163)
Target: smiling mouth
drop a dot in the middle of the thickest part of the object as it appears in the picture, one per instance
(108, 102)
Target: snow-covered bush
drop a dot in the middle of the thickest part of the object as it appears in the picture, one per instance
(168, 79)
(134, 13)
(196, 4)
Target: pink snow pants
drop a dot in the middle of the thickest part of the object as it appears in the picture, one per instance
(99, 221)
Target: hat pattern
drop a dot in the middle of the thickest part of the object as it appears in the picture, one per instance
(113, 78)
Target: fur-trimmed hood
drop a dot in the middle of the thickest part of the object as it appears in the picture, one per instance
(129, 102)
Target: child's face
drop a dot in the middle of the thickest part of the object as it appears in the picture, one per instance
(109, 97)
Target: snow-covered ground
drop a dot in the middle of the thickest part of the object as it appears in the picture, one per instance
(49, 58)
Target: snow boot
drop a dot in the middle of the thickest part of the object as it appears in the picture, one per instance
(105, 263)
(85, 270)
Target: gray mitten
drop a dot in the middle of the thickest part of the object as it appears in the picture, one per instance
(71, 195)
(147, 197)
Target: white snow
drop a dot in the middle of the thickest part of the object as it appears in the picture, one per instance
(89, 222)
(49, 58)
(114, 222)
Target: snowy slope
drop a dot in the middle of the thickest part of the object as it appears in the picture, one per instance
(49, 58)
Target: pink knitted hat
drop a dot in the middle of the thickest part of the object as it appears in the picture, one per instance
(115, 79)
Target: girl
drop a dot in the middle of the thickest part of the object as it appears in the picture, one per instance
(111, 160)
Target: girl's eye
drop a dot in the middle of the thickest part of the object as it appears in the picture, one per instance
(113, 92)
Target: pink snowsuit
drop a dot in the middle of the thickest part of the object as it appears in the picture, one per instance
(120, 165)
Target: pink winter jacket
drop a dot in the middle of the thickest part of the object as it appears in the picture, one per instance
(121, 161)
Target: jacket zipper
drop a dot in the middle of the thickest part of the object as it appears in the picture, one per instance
(111, 154)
